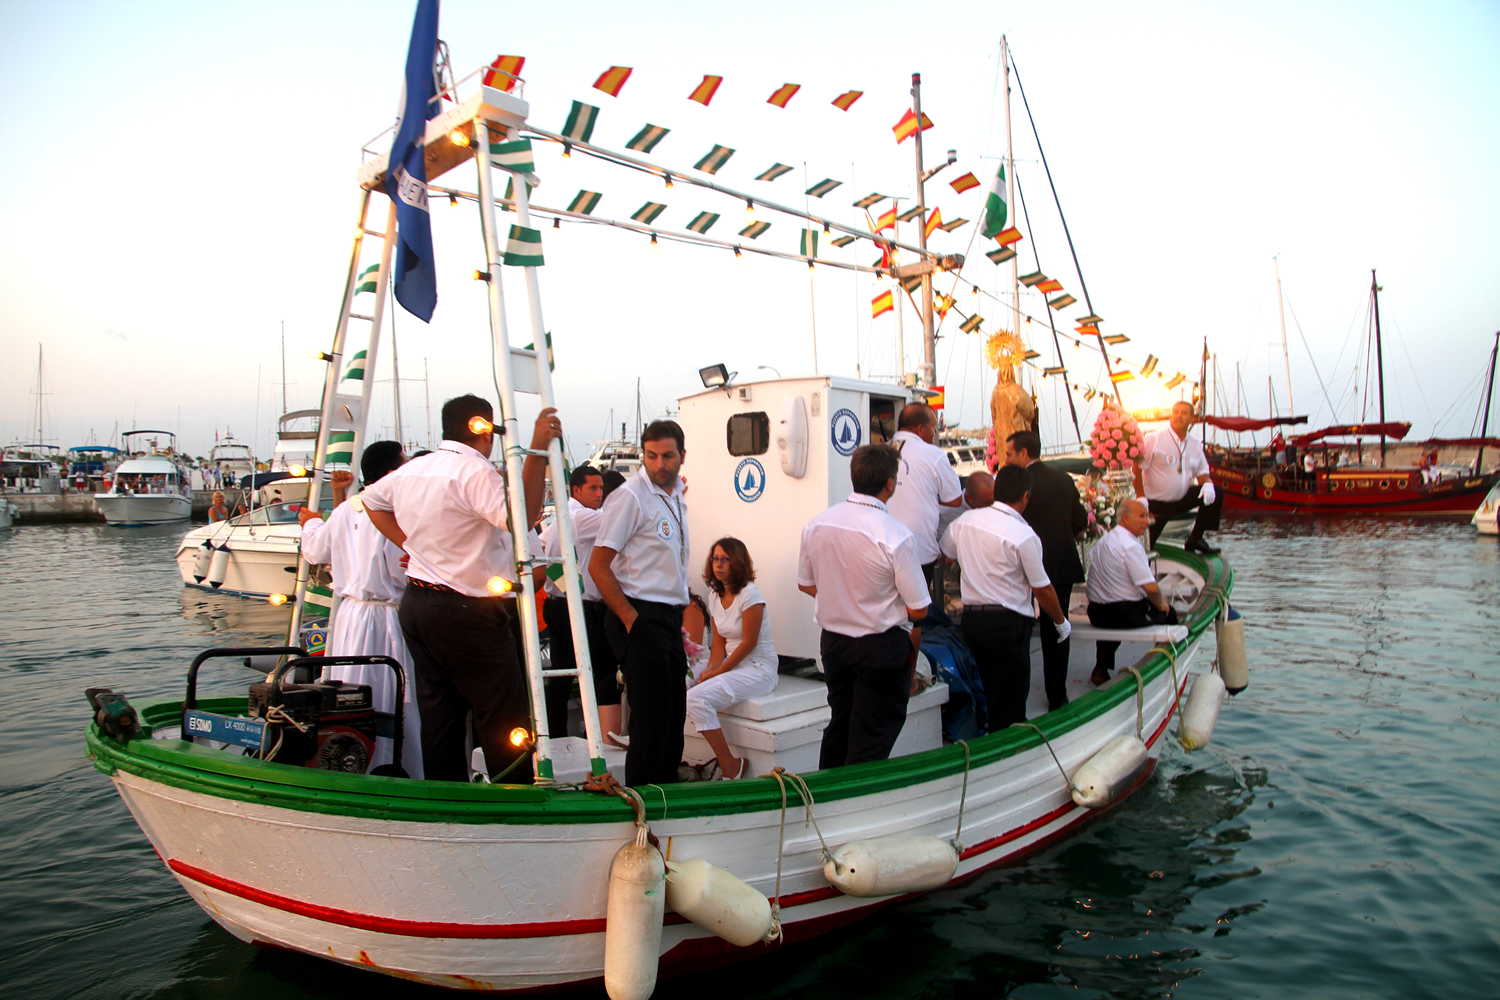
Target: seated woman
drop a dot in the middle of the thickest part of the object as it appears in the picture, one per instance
(218, 512)
(742, 660)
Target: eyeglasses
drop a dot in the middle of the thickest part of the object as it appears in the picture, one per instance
(720, 559)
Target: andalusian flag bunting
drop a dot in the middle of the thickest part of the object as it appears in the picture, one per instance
(703, 221)
(503, 72)
(705, 91)
(775, 171)
(646, 139)
(356, 366)
(524, 248)
(510, 192)
(1116, 338)
(911, 284)
(869, 199)
(933, 222)
(1122, 376)
(910, 213)
(847, 99)
(907, 126)
(1001, 255)
(340, 448)
(368, 279)
(843, 241)
(824, 186)
(513, 156)
(887, 220)
(612, 79)
(963, 183)
(971, 324)
(1062, 301)
(1034, 278)
(948, 227)
(1149, 366)
(1176, 380)
(1089, 394)
(584, 201)
(809, 243)
(580, 124)
(996, 210)
(1054, 371)
(648, 212)
(783, 94)
(1049, 286)
(754, 229)
(714, 159)
(1029, 355)
(1011, 235)
(881, 304)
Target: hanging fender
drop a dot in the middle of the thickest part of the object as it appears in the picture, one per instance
(1229, 631)
(200, 564)
(1201, 711)
(891, 866)
(718, 902)
(632, 924)
(218, 567)
(1107, 774)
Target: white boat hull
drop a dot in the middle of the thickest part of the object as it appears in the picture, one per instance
(1486, 519)
(143, 508)
(262, 558)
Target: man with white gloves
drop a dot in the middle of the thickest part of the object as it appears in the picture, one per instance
(1173, 475)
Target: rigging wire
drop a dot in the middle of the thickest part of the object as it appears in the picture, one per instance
(1051, 322)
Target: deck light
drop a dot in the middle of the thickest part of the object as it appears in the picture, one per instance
(557, 222)
(277, 599)
(479, 425)
(749, 212)
(480, 275)
(321, 356)
(520, 738)
(567, 150)
(739, 257)
(498, 585)
(459, 137)
(654, 248)
(452, 199)
(670, 185)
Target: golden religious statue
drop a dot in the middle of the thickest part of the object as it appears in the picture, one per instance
(1011, 407)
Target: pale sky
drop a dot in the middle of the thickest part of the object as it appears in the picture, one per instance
(181, 181)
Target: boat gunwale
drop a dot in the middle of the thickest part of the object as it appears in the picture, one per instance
(185, 765)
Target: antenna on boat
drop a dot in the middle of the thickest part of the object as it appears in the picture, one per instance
(1379, 361)
(1291, 407)
(1489, 391)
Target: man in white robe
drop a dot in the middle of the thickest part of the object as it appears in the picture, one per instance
(369, 579)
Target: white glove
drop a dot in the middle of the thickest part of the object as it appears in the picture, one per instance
(1208, 493)
(1064, 630)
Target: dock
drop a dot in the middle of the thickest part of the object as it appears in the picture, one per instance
(74, 508)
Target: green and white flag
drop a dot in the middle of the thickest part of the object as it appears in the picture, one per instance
(340, 447)
(555, 574)
(551, 365)
(772, 172)
(583, 203)
(843, 241)
(809, 243)
(580, 124)
(911, 284)
(703, 221)
(972, 323)
(356, 367)
(648, 212)
(824, 186)
(524, 248)
(510, 191)
(514, 156)
(714, 159)
(996, 211)
(754, 230)
(368, 280)
(646, 139)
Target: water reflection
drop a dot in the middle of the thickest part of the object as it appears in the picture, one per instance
(227, 614)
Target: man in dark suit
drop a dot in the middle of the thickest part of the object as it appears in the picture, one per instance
(1056, 514)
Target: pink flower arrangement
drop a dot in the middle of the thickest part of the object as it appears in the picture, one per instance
(992, 457)
(1117, 441)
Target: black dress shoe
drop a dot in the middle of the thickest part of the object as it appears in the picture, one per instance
(1201, 547)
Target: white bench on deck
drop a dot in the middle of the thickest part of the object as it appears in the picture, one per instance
(1078, 614)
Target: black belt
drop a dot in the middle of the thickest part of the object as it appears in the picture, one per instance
(443, 589)
(993, 607)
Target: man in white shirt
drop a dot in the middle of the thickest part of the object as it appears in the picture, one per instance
(639, 564)
(448, 512)
(369, 579)
(859, 565)
(1123, 592)
(1173, 475)
(585, 497)
(1001, 559)
(925, 483)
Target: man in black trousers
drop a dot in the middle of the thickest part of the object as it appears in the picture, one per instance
(1056, 514)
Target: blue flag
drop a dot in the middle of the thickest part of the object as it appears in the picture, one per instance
(406, 176)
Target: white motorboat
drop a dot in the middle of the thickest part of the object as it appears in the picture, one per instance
(149, 487)
(8, 512)
(1487, 518)
(31, 468)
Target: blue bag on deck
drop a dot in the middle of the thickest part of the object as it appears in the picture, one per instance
(966, 714)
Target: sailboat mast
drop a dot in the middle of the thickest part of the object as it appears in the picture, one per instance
(396, 381)
(1291, 407)
(1010, 189)
(1484, 429)
(929, 339)
(283, 366)
(1379, 362)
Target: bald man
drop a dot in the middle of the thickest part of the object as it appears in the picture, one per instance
(1123, 592)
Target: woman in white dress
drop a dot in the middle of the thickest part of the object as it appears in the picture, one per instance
(742, 660)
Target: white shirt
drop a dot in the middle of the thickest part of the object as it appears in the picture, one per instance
(1169, 464)
(586, 521)
(1118, 568)
(451, 504)
(366, 564)
(864, 564)
(1000, 555)
(925, 482)
(730, 623)
(647, 527)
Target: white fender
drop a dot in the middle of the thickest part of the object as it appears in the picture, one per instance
(218, 566)
(1201, 711)
(1109, 772)
(200, 564)
(890, 866)
(632, 925)
(717, 901)
(1233, 663)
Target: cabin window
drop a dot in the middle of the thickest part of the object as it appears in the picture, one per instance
(883, 411)
(749, 434)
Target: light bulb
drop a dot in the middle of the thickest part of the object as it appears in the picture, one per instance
(670, 185)
(655, 247)
(479, 425)
(277, 600)
(739, 257)
(567, 151)
(498, 585)
(458, 137)
(519, 737)
(749, 212)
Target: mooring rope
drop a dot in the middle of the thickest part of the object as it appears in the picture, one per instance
(963, 798)
(781, 775)
(1140, 703)
(1176, 688)
(1066, 780)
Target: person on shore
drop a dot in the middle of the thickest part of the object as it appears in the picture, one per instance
(925, 483)
(859, 564)
(1001, 559)
(370, 581)
(1173, 475)
(742, 661)
(1056, 514)
(217, 511)
(448, 512)
(639, 564)
(1123, 592)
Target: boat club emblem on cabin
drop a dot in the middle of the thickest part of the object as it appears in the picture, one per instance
(750, 480)
(845, 431)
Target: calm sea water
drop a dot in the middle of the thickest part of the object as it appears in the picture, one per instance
(1340, 837)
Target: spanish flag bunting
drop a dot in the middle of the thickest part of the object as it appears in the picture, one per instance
(809, 243)
(936, 399)
(824, 186)
(1001, 255)
(948, 227)
(1176, 380)
(783, 94)
(584, 201)
(648, 212)
(971, 324)
(934, 221)
(775, 171)
(704, 92)
(702, 222)
(1091, 320)
(1122, 375)
(1206, 355)
(503, 72)
(1049, 286)
(1149, 366)
(612, 79)
(845, 100)
(842, 241)
(580, 124)
(943, 304)
(910, 213)
(869, 199)
(755, 229)
(714, 159)
(1029, 355)
(907, 126)
(1116, 338)
(1054, 371)
(1033, 279)
(963, 183)
(1062, 301)
(881, 304)
(1086, 330)
(646, 139)
(887, 220)
(1009, 236)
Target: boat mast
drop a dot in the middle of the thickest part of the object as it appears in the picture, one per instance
(1291, 407)
(283, 366)
(1489, 391)
(1010, 193)
(928, 373)
(396, 382)
(1379, 361)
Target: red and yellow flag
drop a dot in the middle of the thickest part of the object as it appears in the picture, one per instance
(612, 79)
(705, 91)
(934, 219)
(882, 303)
(503, 72)
(1008, 236)
(942, 305)
(936, 399)
(1122, 376)
(907, 126)
(963, 183)
(845, 100)
(783, 94)
(1049, 286)
(887, 220)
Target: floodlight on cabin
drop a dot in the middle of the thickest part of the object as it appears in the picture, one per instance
(714, 376)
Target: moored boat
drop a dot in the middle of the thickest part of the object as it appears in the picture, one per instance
(149, 487)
